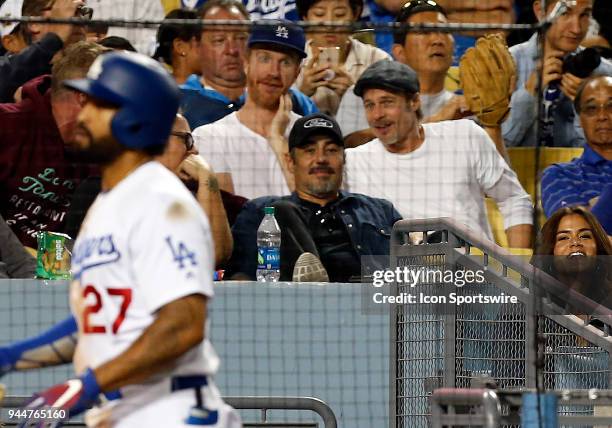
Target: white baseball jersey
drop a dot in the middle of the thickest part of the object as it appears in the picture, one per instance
(142, 245)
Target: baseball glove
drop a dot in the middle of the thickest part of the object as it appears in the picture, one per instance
(488, 75)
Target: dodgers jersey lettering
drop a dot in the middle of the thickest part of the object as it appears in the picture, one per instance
(142, 245)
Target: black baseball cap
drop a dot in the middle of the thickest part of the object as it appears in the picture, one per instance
(412, 7)
(388, 74)
(314, 124)
(281, 33)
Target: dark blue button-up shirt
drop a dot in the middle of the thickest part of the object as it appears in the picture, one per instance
(368, 220)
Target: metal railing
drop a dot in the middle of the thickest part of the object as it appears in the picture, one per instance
(483, 407)
(458, 346)
(258, 403)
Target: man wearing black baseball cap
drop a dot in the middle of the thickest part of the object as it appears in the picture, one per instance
(324, 230)
(432, 170)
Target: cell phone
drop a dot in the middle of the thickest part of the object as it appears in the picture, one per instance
(329, 57)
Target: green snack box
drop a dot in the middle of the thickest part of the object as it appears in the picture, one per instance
(53, 256)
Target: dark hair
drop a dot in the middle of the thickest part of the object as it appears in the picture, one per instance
(581, 88)
(223, 4)
(543, 255)
(117, 43)
(98, 28)
(35, 7)
(167, 33)
(602, 13)
(546, 240)
(303, 6)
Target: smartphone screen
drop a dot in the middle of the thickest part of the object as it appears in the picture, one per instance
(329, 57)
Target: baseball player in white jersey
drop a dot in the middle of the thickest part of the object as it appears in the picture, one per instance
(142, 270)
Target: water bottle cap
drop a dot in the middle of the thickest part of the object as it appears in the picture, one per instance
(269, 210)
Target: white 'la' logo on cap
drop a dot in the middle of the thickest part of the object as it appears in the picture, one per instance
(282, 32)
(317, 122)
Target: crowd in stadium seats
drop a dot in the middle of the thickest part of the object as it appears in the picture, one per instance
(408, 122)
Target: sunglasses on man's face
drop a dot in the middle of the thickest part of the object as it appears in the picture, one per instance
(185, 137)
(84, 12)
(410, 6)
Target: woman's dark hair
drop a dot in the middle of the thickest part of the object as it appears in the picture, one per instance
(546, 240)
(117, 43)
(545, 245)
(303, 6)
(167, 33)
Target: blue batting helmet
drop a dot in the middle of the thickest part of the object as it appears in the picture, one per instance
(146, 94)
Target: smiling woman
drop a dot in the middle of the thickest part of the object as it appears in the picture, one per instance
(574, 248)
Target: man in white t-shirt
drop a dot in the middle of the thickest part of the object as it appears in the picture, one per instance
(242, 147)
(441, 169)
(430, 54)
(142, 271)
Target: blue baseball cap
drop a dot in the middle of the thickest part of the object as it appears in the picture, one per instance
(279, 33)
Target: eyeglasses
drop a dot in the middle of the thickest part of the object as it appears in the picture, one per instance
(591, 110)
(186, 137)
(84, 12)
(413, 6)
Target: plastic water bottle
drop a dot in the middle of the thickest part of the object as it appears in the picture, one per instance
(268, 248)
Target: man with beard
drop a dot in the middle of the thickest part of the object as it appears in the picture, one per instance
(220, 90)
(242, 147)
(142, 270)
(430, 54)
(432, 170)
(37, 178)
(324, 230)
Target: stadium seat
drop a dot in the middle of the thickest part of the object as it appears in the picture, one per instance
(523, 161)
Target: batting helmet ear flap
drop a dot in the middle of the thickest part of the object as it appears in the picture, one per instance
(126, 128)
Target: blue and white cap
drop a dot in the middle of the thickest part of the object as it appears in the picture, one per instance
(281, 33)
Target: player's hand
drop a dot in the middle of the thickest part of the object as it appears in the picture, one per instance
(75, 396)
(313, 75)
(341, 82)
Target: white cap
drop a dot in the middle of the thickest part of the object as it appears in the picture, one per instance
(9, 9)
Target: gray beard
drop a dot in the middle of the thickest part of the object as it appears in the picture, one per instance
(323, 190)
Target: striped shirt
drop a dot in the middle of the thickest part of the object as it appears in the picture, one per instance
(575, 182)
